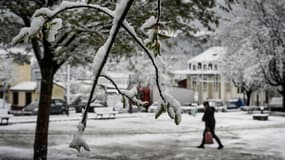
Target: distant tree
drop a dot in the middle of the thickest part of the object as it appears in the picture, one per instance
(239, 63)
(243, 69)
(270, 41)
(257, 25)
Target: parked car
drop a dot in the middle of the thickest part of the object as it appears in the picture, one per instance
(200, 108)
(218, 104)
(234, 103)
(186, 108)
(192, 107)
(58, 106)
(80, 100)
(275, 104)
(78, 103)
(94, 104)
(153, 107)
(249, 109)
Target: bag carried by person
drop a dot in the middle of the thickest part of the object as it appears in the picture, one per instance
(209, 138)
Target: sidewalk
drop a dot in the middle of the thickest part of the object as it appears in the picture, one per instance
(277, 114)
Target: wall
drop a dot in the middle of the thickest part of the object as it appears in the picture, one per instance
(58, 91)
(23, 73)
(216, 87)
(183, 95)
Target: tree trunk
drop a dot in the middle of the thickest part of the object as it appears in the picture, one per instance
(283, 103)
(41, 135)
(248, 95)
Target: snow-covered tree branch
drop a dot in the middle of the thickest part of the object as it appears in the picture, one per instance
(130, 94)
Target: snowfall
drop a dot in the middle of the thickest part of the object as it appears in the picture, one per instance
(140, 136)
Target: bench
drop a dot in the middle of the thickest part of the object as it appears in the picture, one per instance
(4, 120)
(106, 112)
(260, 117)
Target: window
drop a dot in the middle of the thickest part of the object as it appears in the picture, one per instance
(228, 87)
(204, 67)
(199, 66)
(194, 67)
(194, 82)
(190, 66)
(15, 98)
(210, 66)
(205, 83)
(28, 98)
(217, 83)
(239, 90)
(215, 67)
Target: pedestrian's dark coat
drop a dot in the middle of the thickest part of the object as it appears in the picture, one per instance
(209, 118)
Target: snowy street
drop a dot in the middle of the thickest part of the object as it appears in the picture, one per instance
(139, 136)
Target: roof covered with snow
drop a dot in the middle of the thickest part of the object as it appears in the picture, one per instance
(193, 72)
(60, 84)
(118, 74)
(25, 86)
(210, 55)
(30, 86)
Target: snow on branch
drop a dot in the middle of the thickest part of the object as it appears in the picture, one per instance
(99, 62)
(56, 24)
(78, 141)
(133, 34)
(149, 23)
(45, 15)
(170, 101)
(169, 104)
(130, 94)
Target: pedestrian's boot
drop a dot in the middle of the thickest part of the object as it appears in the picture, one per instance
(201, 146)
(221, 146)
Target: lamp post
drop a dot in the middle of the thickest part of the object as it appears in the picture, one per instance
(68, 84)
(4, 94)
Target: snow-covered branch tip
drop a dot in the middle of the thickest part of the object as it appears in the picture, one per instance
(78, 141)
(171, 106)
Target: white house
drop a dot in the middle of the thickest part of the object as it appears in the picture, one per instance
(203, 75)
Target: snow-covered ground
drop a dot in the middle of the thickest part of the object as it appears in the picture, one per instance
(139, 136)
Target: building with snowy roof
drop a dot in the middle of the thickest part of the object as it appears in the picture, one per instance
(18, 85)
(203, 75)
(25, 92)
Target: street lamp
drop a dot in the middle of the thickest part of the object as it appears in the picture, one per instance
(4, 93)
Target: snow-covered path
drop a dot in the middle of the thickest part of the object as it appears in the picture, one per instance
(139, 136)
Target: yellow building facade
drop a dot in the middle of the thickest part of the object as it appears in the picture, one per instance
(22, 90)
(25, 92)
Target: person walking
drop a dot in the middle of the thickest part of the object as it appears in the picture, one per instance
(210, 123)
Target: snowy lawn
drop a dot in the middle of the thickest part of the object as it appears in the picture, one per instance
(139, 136)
